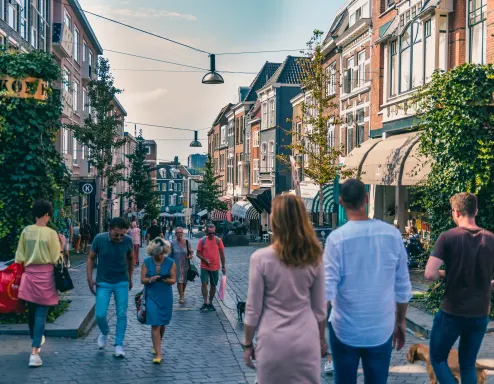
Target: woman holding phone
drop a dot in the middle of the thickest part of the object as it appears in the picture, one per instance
(158, 274)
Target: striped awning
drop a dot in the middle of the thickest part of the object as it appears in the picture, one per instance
(328, 200)
(240, 208)
(252, 213)
(218, 215)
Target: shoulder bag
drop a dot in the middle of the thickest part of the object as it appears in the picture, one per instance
(63, 281)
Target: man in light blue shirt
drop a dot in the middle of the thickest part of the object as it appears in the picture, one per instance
(368, 287)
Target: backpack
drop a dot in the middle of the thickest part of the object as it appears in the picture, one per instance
(203, 240)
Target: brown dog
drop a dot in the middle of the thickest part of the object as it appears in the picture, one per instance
(421, 352)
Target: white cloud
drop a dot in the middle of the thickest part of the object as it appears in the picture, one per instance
(144, 97)
(143, 13)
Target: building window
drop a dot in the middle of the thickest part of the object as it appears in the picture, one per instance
(393, 86)
(66, 79)
(163, 200)
(257, 135)
(360, 126)
(255, 172)
(272, 116)
(298, 131)
(477, 15)
(361, 68)
(158, 186)
(271, 155)
(411, 58)
(247, 142)
(264, 155)
(75, 93)
(230, 168)
(23, 11)
(179, 187)
(164, 186)
(331, 80)
(74, 149)
(67, 20)
(147, 150)
(331, 134)
(349, 132)
(84, 50)
(405, 60)
(428, 50)
(84, 99)
(76, 44)
(12, 14)
(264, 115)
(90, 60)
(223, 134)
(349, 76)
(237, 168)
(65, 141)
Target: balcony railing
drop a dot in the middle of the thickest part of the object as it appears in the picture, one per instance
(63, 39)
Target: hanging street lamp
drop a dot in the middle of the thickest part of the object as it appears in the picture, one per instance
(195, 143)
(212, 77)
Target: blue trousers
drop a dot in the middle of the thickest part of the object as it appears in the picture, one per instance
(446, 329)
(120, 292)
(36, 317)
(346, 359)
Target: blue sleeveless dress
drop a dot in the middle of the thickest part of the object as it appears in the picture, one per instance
(159, 295)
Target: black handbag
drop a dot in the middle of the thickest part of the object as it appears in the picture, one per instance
(63, 281)
(192, 273)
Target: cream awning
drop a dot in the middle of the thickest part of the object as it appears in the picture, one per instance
(416, 167)
(356, 157)
(383, 164)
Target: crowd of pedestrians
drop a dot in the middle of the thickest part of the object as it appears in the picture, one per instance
(358, 288)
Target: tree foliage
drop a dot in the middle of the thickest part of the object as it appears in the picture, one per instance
(458, 139)
(209, 190)
(32, 168)
(141, 187)
(102, 130)
(318, 159)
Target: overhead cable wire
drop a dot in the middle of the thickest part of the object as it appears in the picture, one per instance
(165, 126)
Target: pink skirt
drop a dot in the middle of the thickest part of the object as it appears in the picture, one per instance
(38, 285)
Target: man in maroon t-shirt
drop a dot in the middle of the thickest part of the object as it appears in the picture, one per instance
(467, 253)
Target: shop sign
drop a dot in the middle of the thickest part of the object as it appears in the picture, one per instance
(87, 188)
(28, 88)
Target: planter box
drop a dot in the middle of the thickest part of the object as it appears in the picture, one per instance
(236, 240)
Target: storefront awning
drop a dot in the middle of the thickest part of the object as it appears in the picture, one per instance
(240, 208)
(356, 157)
(383, 164)
(261, 199)
(416, 167)
(252, 214)
(204, 212)
(218, 215)
(310, 198)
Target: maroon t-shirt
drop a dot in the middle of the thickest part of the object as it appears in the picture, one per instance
(468, 257)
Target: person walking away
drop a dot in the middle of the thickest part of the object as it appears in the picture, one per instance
(191, 230)
(38, 250)
(210, 250)
(467, 252)
(115, 253)
(135, 233)
(85, 235)
(367, 288)
(182, 254)
(143, 234)
(170, 233)
(65, 228)
(286, 302)
(76, 236)
(153, 231)
(164, 229)
(158, 274)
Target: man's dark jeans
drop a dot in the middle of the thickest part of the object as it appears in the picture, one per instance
(346, 359)
(446, 329)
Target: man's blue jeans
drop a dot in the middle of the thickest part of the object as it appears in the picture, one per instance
(103, 296)
(446, 329)
(346, 359)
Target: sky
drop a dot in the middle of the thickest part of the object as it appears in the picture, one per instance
(179, 99)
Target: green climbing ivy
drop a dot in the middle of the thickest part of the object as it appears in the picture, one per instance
(31, 167)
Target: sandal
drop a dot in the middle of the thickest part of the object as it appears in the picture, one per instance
(181, 301)
(157, 361)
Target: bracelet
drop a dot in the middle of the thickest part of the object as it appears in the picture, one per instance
(247, 346)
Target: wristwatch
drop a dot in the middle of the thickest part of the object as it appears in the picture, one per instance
(247, 346)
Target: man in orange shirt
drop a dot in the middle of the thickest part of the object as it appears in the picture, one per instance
(210, 250)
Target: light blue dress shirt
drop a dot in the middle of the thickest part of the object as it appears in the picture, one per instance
(366, 275)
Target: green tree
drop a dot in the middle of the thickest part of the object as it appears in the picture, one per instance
(101, 132)
(141, 187)
(209, 190)
(318, 159)
(31, 167)
(457, 138)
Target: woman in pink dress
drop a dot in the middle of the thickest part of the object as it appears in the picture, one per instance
(38, 250)
(286, 302)
(135, 233)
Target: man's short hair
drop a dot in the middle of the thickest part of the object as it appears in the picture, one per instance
(118, 223)
(352, 194)
(41, 208)
(210, 226)
(465, 203)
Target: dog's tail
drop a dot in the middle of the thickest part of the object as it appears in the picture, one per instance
(417, 352)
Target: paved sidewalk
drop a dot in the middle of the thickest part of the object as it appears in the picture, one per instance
(198, 348)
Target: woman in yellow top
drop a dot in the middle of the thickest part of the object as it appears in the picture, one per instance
(39, 251)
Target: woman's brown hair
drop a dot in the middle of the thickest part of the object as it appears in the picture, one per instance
(294, 237)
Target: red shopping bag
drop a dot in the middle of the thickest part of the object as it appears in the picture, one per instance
(10, 280)
(221, 291)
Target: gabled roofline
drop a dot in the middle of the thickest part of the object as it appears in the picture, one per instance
(82, 16)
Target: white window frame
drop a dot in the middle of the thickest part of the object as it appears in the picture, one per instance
(361, 57)
(331, 79)
(256, 139)
(264, 115)
(84, 50)
(271, 154)
(148, 150)
(272, 112)
(247, 142)
(84, 99)
(298, 130)
(12, 15)
(255, 172)
(223, 134)
(75, 95)
(360, 126)
(158, 187)
(77, 36)
(350, 128)
(65, 141)
(164, 186)
(350, 68)
(67, 19)
(264, 155)
(477, 22)
(66, 79)
(163, 200)
(331, 129)
(74, 149)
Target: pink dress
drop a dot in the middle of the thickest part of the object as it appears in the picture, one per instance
(286, 305)
(38, 285)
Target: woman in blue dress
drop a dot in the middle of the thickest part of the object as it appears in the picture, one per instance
(158, 274)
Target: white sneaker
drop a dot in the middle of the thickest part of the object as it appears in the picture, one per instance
(102, 340)
(43, 340)
(119, 352)
(35, 361)
(68, 264)
(328, 368)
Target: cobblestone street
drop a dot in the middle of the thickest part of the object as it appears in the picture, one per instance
(198, 347)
